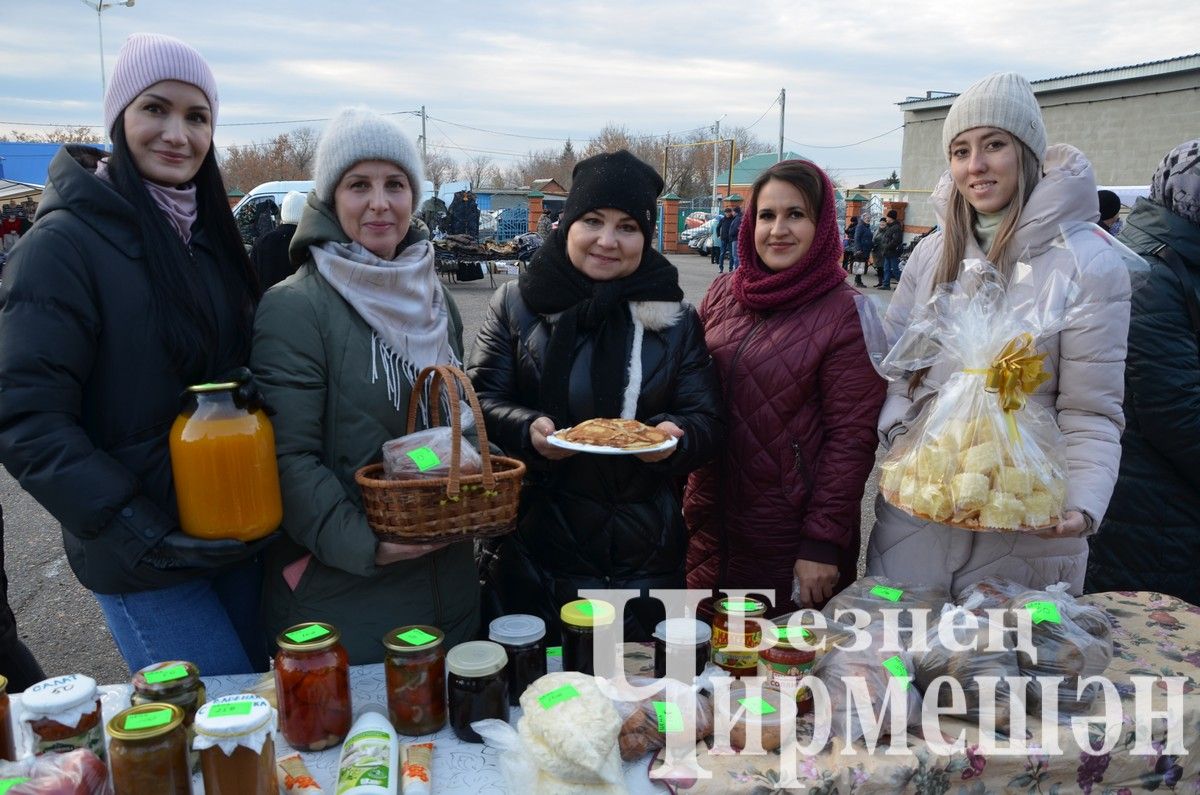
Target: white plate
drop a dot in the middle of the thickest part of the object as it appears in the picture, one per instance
(602, 450)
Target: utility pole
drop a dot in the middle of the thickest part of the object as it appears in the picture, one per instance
(424, 148)
(782, 104)
(716, 156)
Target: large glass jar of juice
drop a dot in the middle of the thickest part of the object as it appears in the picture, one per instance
(223, 461)
(312, 686)
(237, 751)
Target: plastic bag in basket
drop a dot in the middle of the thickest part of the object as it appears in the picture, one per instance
(426, 454)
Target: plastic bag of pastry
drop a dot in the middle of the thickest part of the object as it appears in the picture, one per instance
(646, 722)
(986, 654)
(74, 773)
(990, 593)
(985, 453)
(427, 454)
(870, 685)
(1071, 640)
(876, 594)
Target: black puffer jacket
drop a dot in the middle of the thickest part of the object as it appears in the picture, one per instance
(593, 520)
(88, 392)
(1150, 539)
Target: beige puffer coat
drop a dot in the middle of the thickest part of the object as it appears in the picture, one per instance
(1085, 392)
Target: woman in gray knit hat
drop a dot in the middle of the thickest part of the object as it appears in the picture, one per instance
(1006, 198)
(337, 346)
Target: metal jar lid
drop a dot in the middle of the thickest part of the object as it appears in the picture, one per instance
(166, 678)
(476, 658)
(517, 630)
(413, 638)
(145, 722)
(309, 636)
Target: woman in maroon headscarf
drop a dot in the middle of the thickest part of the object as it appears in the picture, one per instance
(802, 399)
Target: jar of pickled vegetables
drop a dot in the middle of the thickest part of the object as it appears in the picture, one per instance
(224, 466)
(478, 686)
(64, 714)
(579, 622)
(173, 682)
(8, 745)
(237, 751)
(415, 669)
(148, 751)
(524, 640)
(748, 635)
(312, 686)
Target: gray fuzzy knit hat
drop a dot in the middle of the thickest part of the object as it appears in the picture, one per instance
(1004, 100)
(358, 134)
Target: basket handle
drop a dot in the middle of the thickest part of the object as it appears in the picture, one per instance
(448, 379)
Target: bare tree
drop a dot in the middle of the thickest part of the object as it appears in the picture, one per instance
(284, 157)
(439, 169)
(58, 135)
(540, 164)
(478, 170)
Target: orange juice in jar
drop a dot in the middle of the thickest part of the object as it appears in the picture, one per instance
(223, 461)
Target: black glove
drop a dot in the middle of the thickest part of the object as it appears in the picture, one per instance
(177, 550)
(247, 395)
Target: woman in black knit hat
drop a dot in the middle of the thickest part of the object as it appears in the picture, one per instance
(597, 328)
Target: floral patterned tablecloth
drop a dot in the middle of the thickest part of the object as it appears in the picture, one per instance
(1153, 636)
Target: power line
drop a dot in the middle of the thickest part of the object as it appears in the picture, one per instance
(774, 102)
(846, 146)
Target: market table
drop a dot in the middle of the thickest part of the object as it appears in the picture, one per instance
(1154, 635)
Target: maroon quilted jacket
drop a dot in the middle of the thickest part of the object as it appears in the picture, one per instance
(802, 400)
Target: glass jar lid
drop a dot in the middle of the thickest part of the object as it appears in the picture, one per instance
(197, 389)
(517, 630)
(587, 613)
(166, 678)
(683, 632)
(145, 722)
(744, 606)
(60, 694)
(232, 716)
(764, 706)
(413, 638)
(476, 658)
(309, 636)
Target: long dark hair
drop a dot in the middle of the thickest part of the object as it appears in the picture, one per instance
(182, 310)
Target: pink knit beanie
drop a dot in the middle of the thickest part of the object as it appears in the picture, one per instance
(149, 58)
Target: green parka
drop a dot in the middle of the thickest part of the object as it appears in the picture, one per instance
(313, 357)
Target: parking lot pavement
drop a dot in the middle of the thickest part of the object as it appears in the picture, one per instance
(61, 622)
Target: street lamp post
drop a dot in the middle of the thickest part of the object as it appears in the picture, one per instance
(99, 7)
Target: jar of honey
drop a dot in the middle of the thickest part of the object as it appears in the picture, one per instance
(739, 662)
(237, 751)
(415, 670)
(148, 751)
(64, 714)
(312, 686)
(223, 463)
(8, 745)
(580, 619)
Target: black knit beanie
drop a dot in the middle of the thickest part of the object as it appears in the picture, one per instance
(617, 180)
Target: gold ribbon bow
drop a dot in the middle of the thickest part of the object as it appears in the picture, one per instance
(1014, 374)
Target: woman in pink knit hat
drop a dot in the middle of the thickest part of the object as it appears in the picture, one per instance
(781, 505)
(133, 284)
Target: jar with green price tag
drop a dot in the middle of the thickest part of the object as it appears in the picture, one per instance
(147, 751)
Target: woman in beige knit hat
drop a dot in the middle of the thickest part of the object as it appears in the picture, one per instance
(1005, 199)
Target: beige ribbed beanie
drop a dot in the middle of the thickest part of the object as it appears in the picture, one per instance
(357, 134)
(1004, 100)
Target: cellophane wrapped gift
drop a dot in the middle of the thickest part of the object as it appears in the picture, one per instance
(981, 455)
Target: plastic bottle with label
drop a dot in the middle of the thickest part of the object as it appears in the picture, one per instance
(370, 761)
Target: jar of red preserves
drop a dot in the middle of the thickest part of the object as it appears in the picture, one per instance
(312, 685)
(237, 751)
(415, 669)
(148, 751)
(789, 657)
(8, 745)
(64, 714)
(747, 635)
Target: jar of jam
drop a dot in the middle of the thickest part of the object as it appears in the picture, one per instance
(174, 682)
(148, 751)
(224, 466)
(312, 686)
(684, 639)
(478, 686)
(579, 622)
(415, 669)
(64, 714)
(749, 635)
(790, 657)
(524, 640)
(8, 745)
(237, 751)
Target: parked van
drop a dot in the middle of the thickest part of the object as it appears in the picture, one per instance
(272, 190)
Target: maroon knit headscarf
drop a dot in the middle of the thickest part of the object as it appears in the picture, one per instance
(817, 272)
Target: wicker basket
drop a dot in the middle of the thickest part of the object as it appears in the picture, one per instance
(453, 508)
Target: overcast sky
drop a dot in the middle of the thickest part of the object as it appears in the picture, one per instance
(558, 70)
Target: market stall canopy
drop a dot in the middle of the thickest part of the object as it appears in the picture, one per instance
(11, 189)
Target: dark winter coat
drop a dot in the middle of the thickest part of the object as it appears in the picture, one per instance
(88, 391)
(723, 229)
(593, 520)
(862, 240)
(892, 239)
(270, 256)
(1150, 540)
(802, 400)
(735, 225)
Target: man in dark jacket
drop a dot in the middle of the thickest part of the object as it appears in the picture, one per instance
(723, 237)
(270, 252)
(862, 245)
(891, 240)
(1150, 538)
(735, 226)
